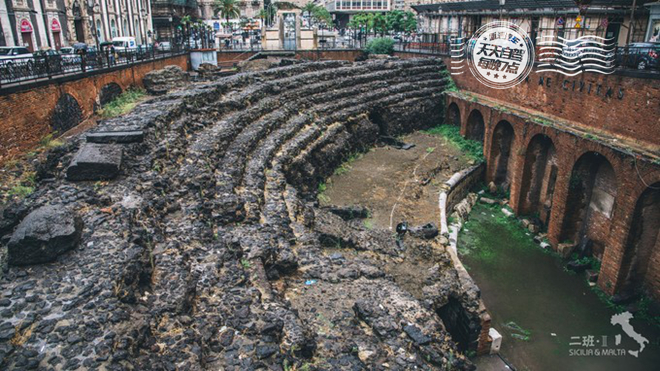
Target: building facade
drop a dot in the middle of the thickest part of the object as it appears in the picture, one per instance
(97, 21)
(168, 14)
(36, 24)
(442, 21)
(33, 23)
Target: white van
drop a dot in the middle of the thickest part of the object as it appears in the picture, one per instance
(124, 45)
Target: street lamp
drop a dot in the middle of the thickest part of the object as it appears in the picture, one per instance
(502, 3)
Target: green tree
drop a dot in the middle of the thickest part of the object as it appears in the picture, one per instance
(228, 9)
(410, 23)
(395, 20)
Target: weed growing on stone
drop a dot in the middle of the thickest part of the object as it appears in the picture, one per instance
(451, 85)
(123, 103)
(48, 141)
(472, 148)
(245, 263)
(322, 197)
(347, 165)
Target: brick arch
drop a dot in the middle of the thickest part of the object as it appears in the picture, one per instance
(66, 114)
(453, 115)
(475, 126)
(500, 154)
(108, 93)
(539, 175)
(639, 266)
(590, 202)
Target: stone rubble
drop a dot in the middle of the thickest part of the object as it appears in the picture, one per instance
(209, 250)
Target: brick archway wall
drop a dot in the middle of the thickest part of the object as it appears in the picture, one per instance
(569, 147)
(25, 115)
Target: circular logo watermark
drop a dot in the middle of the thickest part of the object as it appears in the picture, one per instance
(500, 55)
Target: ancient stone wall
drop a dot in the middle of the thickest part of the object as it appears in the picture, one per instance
(209, 248)
(29, 113)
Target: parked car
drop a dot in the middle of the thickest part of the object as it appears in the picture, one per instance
(639, 55)
(15, 61)
(13, 52)
(47, 61)
(70, 58)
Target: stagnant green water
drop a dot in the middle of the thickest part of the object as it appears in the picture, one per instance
(539, 308)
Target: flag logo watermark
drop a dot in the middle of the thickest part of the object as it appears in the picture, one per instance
(603, 346)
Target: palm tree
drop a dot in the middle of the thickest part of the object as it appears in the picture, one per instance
(227, 9)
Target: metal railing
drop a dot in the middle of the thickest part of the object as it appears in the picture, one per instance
(17, 71)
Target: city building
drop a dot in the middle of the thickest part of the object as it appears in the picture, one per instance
(56, 23)
(167, 16)
(441, 21)
(342, 10)
(33, 23)
(96, 21)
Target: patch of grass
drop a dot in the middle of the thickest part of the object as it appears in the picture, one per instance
(20, 191)
(48, 142)
(347, 165)
(245, 263)
(430, 150)
(123, 103)
(472, 148)
(368, 223)
(451, 85)
(322, 197)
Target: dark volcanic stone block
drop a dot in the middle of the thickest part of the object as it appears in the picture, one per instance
(135, 136)
(95, 162)
(44, 234)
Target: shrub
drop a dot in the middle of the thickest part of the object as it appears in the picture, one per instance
(381, 45)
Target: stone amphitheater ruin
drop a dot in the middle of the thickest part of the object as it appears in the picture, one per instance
(202, 252)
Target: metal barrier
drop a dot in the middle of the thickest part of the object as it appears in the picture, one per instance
(18, 71)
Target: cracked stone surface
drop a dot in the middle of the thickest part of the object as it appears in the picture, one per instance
(210, 251)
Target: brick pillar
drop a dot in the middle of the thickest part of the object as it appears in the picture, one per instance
(560, 196)
(611, 276)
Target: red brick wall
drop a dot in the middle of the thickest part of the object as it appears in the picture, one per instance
(25, 115)
(612, 232)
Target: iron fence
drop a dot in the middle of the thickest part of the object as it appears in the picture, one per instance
(16, 71)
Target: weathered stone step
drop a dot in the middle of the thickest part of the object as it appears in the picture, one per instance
(95, 162)
(135, 136)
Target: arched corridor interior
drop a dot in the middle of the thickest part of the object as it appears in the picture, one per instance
(539, 177)
(592, 190)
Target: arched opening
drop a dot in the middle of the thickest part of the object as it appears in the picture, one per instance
(539, 177)
(643, 243)
(475, 126)
(67, 114)
(453, 115)
(591, 192)
(500, 154)
(108, 93)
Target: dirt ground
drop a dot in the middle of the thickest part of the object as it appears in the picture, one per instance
(398, 185)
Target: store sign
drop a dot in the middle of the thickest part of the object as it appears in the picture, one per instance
(55, 26)
(26, 26)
